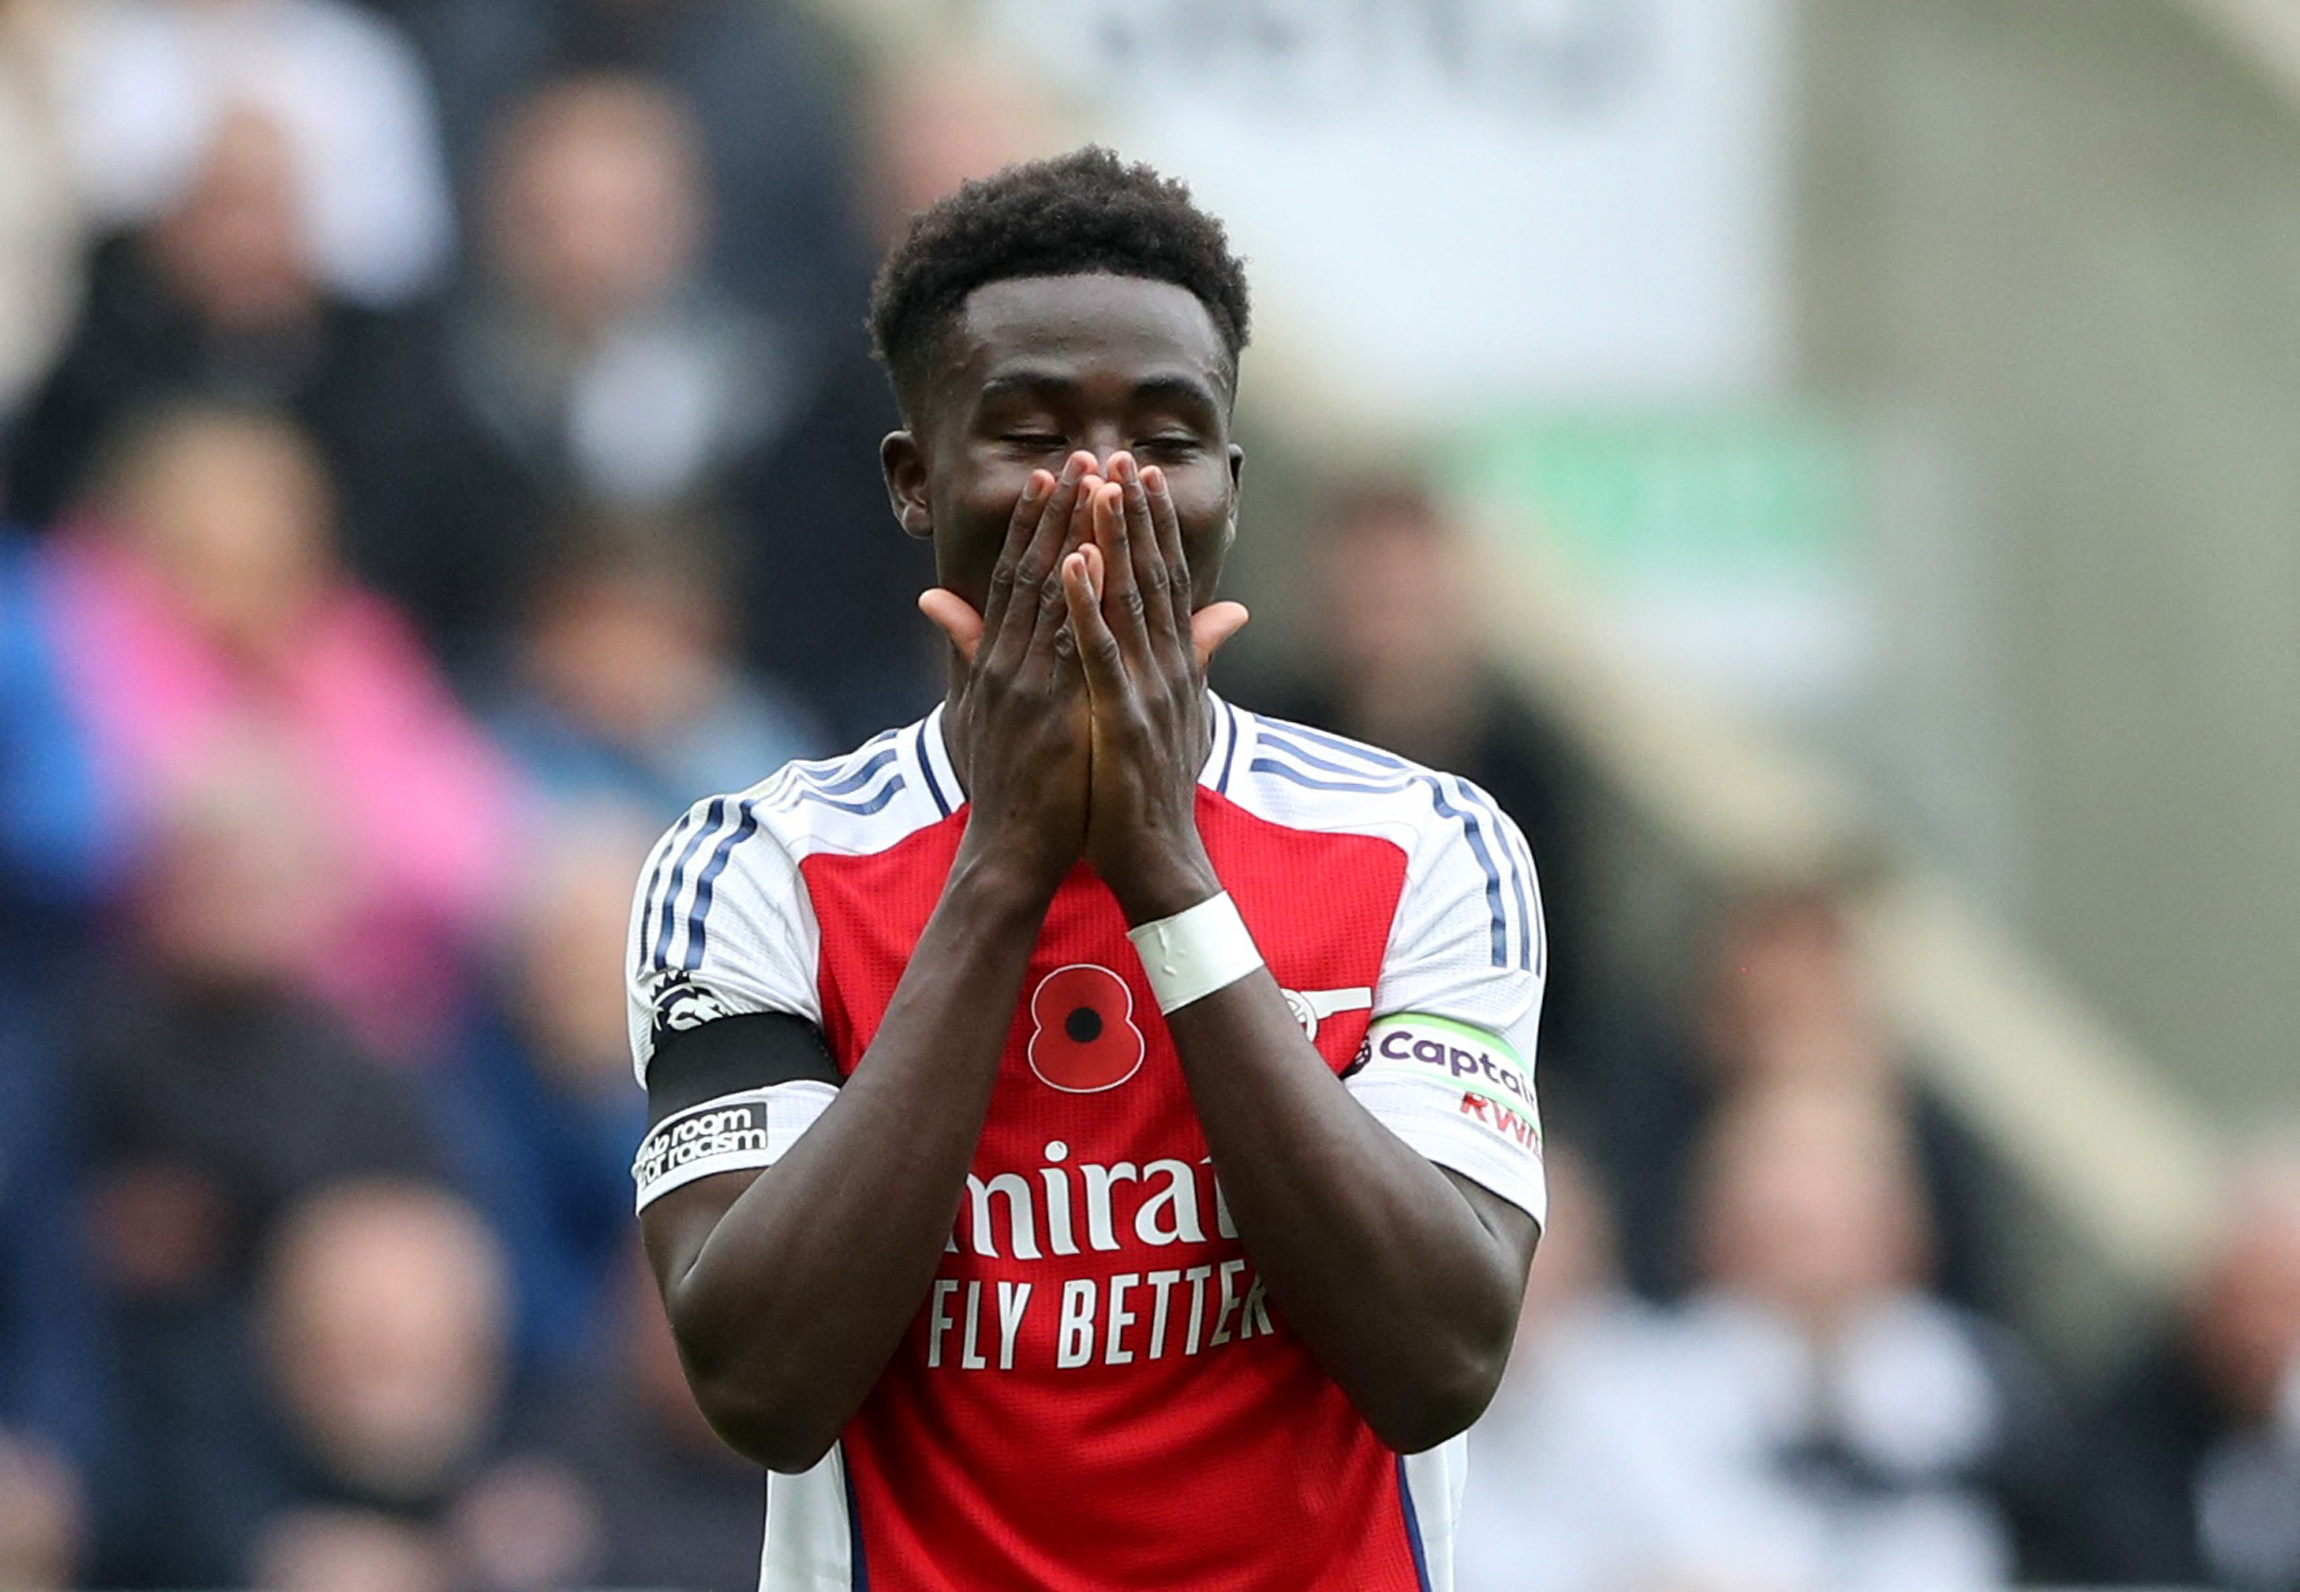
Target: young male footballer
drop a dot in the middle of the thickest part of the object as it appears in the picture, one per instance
(1094, 1143)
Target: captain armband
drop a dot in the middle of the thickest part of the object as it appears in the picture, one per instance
(1442, 1054)
(733, 1133)
(1460, 1095)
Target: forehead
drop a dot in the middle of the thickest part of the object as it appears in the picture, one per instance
(1090, 325)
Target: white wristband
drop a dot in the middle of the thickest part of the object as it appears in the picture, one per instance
(1195, 952)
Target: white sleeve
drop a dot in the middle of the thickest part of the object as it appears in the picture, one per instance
(720, 925)
(1447, 1063)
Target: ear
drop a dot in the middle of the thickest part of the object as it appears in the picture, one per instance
(1237, 476)
(904, 465)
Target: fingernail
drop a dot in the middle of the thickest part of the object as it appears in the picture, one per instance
(1072, 469)
(1036, 487)
(1153, 479)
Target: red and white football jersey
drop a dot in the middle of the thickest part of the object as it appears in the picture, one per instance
(1098, 1393)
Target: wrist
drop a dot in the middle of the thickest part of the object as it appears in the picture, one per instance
(1001, 883)
(1174, 885)
(1195, 952)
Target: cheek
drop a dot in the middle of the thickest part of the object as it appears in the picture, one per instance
(972, 510)
(1202, 503)
(985, 500)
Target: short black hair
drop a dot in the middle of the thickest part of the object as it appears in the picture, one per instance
(1072, 215)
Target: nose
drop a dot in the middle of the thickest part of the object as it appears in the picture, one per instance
(1105, 442)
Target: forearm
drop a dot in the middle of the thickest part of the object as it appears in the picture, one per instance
(1385, 1269)
(788, 1305)
(1379, 1263)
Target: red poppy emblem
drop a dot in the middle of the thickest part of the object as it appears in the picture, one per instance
(1082, 1033)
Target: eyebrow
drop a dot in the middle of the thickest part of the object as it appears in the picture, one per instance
(1181, 391)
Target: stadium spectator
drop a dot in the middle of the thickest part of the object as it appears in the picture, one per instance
(1813, 1420)
(351, 1550)
(1398, 662)
(216, 1093)
(670, 1504)
(1572, 1486)
(824, 564)
(935, 124)
(588, 364)
(204, 623)
(52, 1403)
(1842, 1426)
(1782, 999)
(626, 687)
(766, 82)
(539, 1105)
(828, 564)
(41, 221)
(141, 87)
(386, 1315)
(61, 822)
(40, 1515)
(216, 298)
(58, 859)
(2197, 1448)
(215, 1098)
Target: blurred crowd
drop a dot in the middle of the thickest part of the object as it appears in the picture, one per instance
(436, 444)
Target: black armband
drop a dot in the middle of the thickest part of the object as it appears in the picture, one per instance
(730, 1096)
(728, 1055)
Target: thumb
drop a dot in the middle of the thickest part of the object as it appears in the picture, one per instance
(954, 617)
(1212, 626)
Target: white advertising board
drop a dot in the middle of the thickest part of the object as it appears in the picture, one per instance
(1461, 200)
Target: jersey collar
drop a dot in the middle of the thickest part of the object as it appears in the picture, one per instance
(934, 761)
(1233, 734)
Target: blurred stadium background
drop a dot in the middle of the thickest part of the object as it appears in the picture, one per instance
(1828, 467)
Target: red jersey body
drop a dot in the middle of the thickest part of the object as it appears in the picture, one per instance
(1097, 1392)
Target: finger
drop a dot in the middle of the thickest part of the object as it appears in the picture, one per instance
(1049, 634)
(954, 617)
(1165, 519)
(1032, 574)
(1211, 628)
(1121, 593)
(1145, 570)
(1166, 527)
(1089, 558)
(1082, 584)
(1028, 510)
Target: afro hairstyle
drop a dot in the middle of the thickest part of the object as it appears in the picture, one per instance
(1072, 215)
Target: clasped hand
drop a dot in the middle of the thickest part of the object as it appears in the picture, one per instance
(1080, 724)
